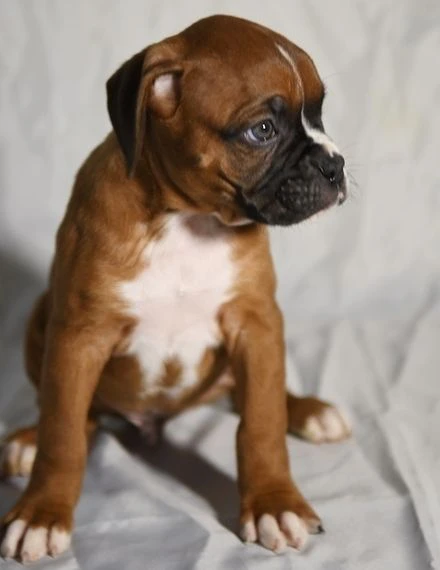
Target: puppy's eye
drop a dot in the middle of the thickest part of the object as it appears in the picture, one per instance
(261, 133)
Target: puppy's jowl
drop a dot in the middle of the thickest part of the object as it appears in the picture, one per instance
(162, 290)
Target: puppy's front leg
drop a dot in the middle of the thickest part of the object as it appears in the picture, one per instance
(41, 522)
(273, 511)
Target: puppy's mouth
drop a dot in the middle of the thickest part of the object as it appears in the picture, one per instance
(298, 191)
(295, 196)
(293, 201)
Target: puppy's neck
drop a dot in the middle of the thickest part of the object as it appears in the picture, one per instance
(166, 196)
(154, 194)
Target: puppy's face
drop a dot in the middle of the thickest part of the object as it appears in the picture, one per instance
(233, 125)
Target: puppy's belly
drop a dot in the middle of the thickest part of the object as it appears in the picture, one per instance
(122, 387)
(170, 343)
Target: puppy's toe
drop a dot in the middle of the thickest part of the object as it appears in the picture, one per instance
(12, 537)
(34, 544)
(279, 519)
(18, 452)
(326, 427)
(59, 541)
(17, 458)
(34, 531)
(317, 421)
(270, 535)
(30, 543)
(249, 532)
(276, 534)
(295, 530)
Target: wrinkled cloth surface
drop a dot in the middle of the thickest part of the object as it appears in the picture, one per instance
(359, 287)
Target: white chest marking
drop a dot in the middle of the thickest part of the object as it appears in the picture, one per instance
(187, 276)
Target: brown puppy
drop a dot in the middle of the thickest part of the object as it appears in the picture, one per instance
(162, 291)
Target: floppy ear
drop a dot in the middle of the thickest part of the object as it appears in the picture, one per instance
(149, 81)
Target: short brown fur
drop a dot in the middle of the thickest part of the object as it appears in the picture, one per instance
(79, 330)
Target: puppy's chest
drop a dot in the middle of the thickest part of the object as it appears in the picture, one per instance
(187, 275)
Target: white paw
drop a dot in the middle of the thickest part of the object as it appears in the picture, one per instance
(17, 458)
(32, 543)
(291, 530)
(328, 425)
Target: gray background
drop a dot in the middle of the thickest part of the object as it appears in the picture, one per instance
(359, 286)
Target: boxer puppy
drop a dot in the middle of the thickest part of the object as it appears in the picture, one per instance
(162, 290)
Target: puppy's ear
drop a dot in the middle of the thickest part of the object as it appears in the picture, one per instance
(147, 83)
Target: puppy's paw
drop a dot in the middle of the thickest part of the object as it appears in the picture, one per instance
(18, 453)
(316, 421)
(279, 520)
(17, 459)
(34, 529)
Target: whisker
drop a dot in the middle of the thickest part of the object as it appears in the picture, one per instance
(330, 75)
(355, 168)
(349, 145)
(351, 176)
(353, 197)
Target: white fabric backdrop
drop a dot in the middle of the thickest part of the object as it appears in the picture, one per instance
(359, 286)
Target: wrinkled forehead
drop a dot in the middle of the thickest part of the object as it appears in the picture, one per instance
(245, 69)
(305, 72)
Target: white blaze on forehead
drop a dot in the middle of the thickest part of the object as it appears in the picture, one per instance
(285, 54)
(317, 136)
(289, 60)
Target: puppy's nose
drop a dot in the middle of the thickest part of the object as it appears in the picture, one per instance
(331, 167)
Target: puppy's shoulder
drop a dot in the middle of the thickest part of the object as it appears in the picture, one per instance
(102, 170)
(104, 199)
(100, 232)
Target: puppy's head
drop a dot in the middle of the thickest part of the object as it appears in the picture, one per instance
(228, 116)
